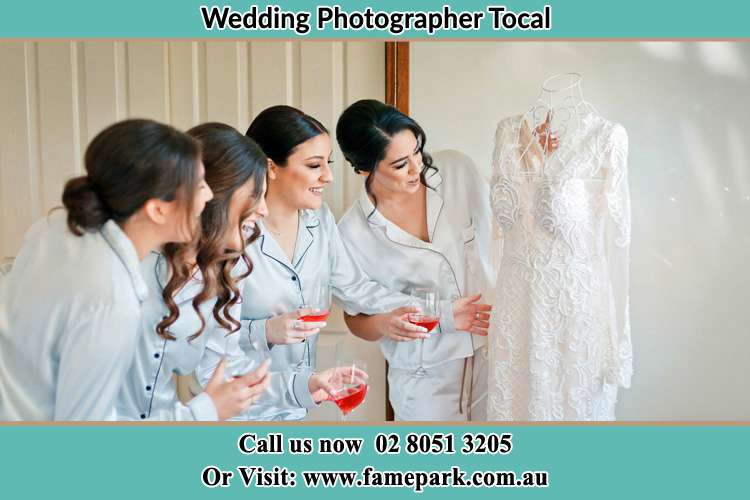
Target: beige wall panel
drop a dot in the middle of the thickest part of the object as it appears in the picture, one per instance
(274, 75)
(100, 74)
(226, 83)
(148, 80)
(364, 72)
(121, 81)
(321, 95)
(19, 189)
(184, 83)
(59, 120)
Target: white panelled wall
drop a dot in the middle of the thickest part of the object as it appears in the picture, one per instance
(56, 95)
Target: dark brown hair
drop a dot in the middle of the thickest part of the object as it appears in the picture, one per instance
(127, 164)
(364, 131)
(278, 130)
(230, 159)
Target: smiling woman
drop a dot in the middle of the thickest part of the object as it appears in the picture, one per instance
(298, 253)
(194, 291)
(299, 148)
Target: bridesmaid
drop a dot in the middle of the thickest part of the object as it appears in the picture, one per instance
(70, 310)
(421, 222)
(193, 291)
(298, 250)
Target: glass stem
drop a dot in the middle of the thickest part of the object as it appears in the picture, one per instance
(421, 355)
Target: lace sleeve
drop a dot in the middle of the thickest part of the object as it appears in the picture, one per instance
(619, 367)
(504, 196)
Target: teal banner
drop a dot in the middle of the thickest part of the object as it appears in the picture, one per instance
(350, 19)
(309, 461)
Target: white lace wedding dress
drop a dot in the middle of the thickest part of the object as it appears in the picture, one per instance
(560, 341)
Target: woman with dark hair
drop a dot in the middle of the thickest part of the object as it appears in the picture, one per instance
(299, 249)
(417, 225)
(195, 287)
(70, 310)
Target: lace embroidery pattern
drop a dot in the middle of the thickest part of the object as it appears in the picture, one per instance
(560, 344)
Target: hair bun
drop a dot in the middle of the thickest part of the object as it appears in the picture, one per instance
(84, 205)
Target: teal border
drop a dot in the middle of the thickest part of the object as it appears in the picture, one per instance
(572, 19)
(584, 462)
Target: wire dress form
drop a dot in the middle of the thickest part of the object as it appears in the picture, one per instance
(560, 341)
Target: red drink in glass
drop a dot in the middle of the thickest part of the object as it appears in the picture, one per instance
(315, 317)
(349, 398)
(428, 322)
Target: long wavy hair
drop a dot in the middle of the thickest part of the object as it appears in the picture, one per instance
(231, 160)
(364, 131)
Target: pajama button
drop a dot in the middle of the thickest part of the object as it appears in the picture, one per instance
(156, 355)
(294, 278)
(148, 387)
(143, 416)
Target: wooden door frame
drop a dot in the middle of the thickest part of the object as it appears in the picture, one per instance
(397, 95)
(397, 75)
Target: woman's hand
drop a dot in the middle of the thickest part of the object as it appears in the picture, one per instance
(471, 316)
(290, 329)
(395, 325)
(322, 386)
(232, 397)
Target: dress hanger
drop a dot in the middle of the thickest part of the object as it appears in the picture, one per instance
(558, 110)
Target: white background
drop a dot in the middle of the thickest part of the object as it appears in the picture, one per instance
(686, 107)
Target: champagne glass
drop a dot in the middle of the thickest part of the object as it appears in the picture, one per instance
(427, 299)
(317, 297)
(349, 384)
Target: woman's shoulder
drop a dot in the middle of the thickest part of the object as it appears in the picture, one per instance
(322, 216)
(82, 270)
(89, 257)
(53, 228)
(453, 166)
(351, 219)
(451, 157)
